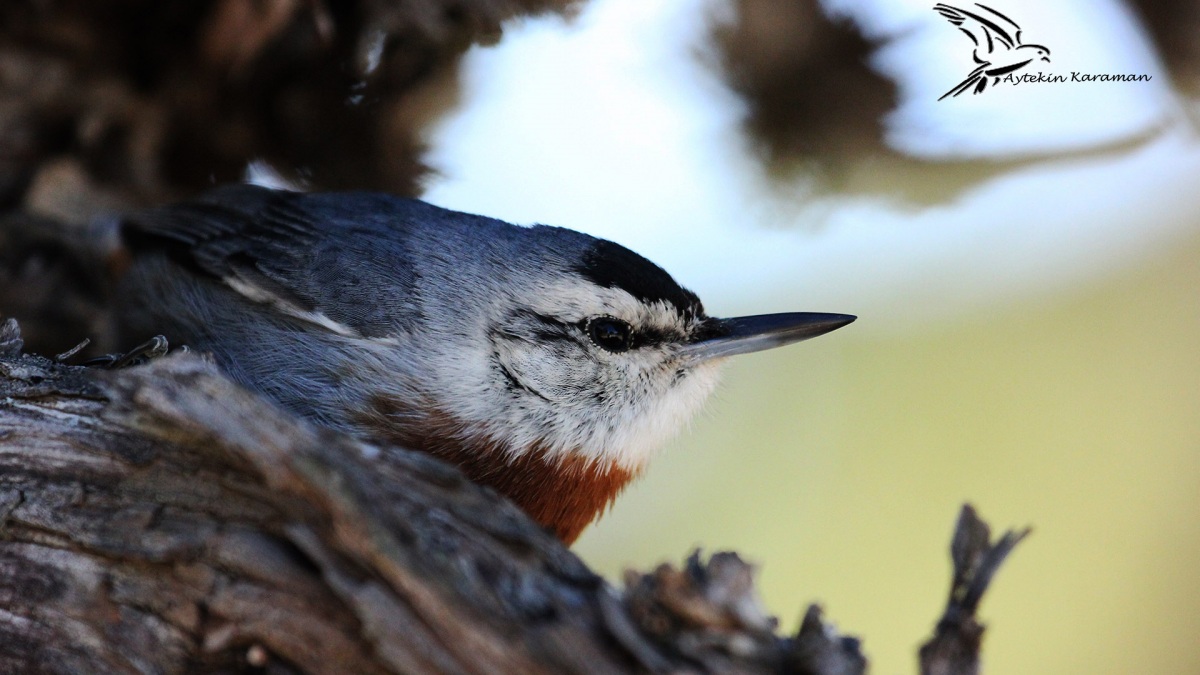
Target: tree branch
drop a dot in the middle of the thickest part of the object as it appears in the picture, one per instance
(162, 519)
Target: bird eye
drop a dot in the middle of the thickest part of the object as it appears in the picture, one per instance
(611, 334)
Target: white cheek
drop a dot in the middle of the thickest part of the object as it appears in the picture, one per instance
(642, 407)
(619, 410)
(650, 423)
(563, 375)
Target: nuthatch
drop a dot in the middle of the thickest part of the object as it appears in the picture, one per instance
(545, 363)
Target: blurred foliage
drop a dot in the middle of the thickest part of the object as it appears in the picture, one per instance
(814, 102)
(1174, 24)
(112, 103)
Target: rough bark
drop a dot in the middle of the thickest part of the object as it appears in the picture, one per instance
(159, 519)
(954, 647)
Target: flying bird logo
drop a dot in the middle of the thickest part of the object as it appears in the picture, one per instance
(998, 48)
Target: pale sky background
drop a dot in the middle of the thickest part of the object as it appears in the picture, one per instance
(610, 124)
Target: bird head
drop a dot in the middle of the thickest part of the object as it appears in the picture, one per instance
(584, 350)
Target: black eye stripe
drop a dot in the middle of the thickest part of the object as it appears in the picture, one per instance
(546, 328)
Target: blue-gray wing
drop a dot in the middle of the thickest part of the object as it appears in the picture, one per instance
(337, 259)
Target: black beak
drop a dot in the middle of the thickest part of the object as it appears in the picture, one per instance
(745, 334)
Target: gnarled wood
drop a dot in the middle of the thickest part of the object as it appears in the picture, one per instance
(159, 519)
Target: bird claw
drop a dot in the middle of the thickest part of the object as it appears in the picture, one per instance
(149, 350)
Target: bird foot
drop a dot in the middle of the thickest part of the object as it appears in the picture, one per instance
(149, 350)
